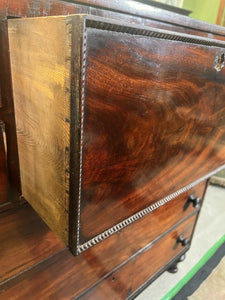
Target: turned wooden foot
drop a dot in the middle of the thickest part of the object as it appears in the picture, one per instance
(173, 268)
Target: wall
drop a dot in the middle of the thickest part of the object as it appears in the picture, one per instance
(205, 10)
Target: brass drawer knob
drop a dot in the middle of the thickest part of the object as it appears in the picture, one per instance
(195, 201)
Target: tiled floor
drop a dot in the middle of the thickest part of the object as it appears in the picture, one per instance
(210, 228)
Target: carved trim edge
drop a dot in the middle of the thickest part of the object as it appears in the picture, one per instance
(83, 77)
(107, 233)
(103, 24)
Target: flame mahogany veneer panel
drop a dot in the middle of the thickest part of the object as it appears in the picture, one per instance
(154, 120)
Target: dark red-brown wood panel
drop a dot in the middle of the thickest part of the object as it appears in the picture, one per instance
(134, 12)
(150, 124)
(3, 166)
(26, 244)
(132, 275)
(25, 240)
(62, 275)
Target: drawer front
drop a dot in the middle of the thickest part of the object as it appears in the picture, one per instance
(137, 271)
(140, 233)
(3, 168)
(154, 121)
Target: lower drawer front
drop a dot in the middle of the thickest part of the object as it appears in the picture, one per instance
(128, 278)
(166, 216)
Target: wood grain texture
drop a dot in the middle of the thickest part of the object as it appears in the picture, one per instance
(41, 79)
(141, 116)
(25, 241)
(147, 11)
(60, 275)
(44, 7)
(3, 166)
(150, 16)
(125, 281)
(150, 124)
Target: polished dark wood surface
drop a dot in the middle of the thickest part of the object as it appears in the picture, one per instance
(30, 271)
(142, 9)
(143, 15)
(149, 121)
(124, 282)
(141, 126)
(25, 241)
(172, 212)
(42, 258)
(52, 270)
(3, 166)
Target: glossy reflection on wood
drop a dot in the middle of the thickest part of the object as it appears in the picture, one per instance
(150, 123)
(41, 259)
(46, 269)
(125, 281)
(149, 16)
(140, 126)
(37, 242)
(25, 240)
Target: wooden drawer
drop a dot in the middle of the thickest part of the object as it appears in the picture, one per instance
(150, 227)
(132, 275)
(112, 119)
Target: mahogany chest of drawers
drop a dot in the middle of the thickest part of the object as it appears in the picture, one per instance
(119, 126)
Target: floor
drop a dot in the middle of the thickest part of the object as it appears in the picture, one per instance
(213, 285)
(201, 278)
(209, 230)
